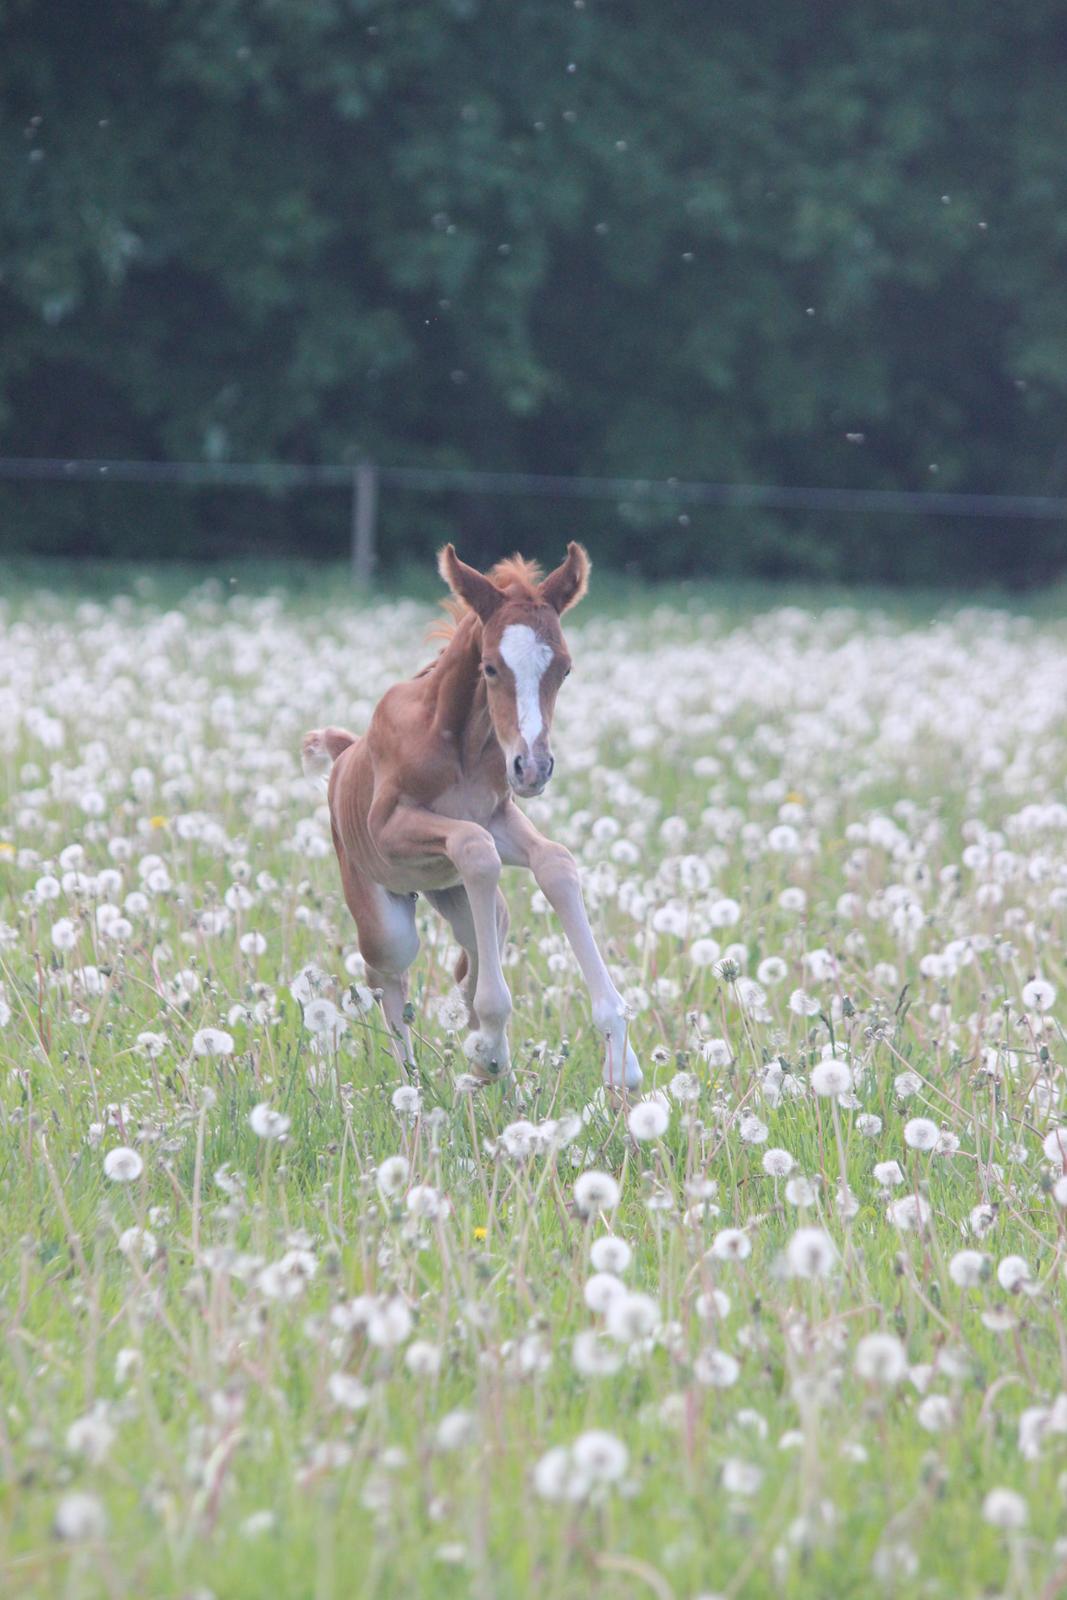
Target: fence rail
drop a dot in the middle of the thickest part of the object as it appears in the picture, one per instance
(366, 480)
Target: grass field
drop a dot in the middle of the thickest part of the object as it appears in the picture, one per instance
(278, 1323)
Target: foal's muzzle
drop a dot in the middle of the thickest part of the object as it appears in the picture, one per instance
(528, 774)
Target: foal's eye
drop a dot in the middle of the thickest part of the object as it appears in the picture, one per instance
(489, 671)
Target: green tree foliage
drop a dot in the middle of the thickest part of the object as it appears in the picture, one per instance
(630, 238)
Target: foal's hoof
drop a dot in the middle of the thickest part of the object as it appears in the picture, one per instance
(489, 1057)
(628, 1078)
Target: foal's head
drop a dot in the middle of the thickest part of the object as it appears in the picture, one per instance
(524, 655)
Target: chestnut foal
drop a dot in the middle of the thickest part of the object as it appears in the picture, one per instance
(424, 803)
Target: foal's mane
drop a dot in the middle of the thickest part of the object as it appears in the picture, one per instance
(519, 580)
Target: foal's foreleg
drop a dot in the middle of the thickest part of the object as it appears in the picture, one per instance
(556, 872)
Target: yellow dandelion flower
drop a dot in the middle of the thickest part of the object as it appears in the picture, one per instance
(795, 797)
(481, 1233)
(6, 848)
(157, 822)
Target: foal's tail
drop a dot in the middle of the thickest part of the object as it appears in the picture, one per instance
(320, 750)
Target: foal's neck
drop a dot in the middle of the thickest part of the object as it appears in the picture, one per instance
(461, 710)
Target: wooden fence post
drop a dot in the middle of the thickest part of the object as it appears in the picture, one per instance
(364, 521)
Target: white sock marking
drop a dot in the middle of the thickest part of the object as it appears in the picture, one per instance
(529, 658)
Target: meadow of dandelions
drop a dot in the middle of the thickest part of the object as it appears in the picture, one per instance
(276, 1320)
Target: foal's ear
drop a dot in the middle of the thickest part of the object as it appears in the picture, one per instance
(566, 586)
(480, 593)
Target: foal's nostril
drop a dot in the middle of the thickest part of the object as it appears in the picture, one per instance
(518, 766)
(551, 767)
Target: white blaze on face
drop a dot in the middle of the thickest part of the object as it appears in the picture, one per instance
(529, 658)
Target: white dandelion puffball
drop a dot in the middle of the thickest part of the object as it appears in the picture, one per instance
(704, 952)
(321, 1016)
(1003, 1508)
(423, 1359)
(392, 1176)
(123, 1165)
(555, 1476)
(389, 1323)
(935, 1413)
(831, 1077)
(800, 1192)
(601, 1456)
(804, 1004)
(632, 1316)
(594, 1355)
(649, 1119)
(732, 1244)
(601, 1289)
(455, 1430)
(1038, 995)
(1054, 1145)
(880, 1358)
(921, 1134)
(1012, 1273)
(267, 1123)
(609, 1253)
(595, 1192)
(967, 1268)
(810, 1253)
(777, 1163)
(888, 1174)
(347, 1392)
(212, 1042)
(716, 1369)
(80, 1516)
(740, 1477)
(910, 1211)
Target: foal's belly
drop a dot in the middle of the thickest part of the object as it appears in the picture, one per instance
(420, 873)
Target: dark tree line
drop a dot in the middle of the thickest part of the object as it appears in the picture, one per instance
(626, 238)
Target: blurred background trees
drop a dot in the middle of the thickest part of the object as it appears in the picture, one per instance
(636, 239)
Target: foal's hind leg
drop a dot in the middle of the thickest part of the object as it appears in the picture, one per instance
(388, 943)
(454, 905)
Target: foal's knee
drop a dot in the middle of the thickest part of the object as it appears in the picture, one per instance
(477, 859)
(556, 871)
